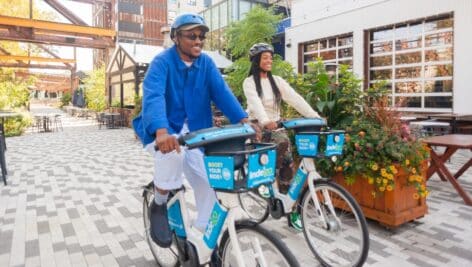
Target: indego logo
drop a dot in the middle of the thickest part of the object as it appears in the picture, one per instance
(214, 219)
(261, 173)
(334, 147)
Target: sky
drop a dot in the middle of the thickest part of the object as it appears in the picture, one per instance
(84, 11)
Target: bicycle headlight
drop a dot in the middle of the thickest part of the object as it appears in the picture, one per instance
(336, 138)
(263, 159)
(334, 158)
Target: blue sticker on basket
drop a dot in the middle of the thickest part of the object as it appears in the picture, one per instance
(215, 223)
(261, 168)
(175, 219)
(334, 144)
(220, 171)
(307, 145)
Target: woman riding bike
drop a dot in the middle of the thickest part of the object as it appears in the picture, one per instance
(264, 93)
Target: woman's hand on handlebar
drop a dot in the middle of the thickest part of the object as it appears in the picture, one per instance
(166, 142)
(271, 126)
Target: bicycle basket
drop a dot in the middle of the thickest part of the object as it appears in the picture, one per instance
(320, 144)
(221, 167)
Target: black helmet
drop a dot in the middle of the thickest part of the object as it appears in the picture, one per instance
(259, 48)
(187, 21)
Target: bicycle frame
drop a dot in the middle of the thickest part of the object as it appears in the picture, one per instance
(183, 228)
(306, 172)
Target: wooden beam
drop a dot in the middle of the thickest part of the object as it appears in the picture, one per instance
(66, 12)
(37, 59)
(33, 66)
(56, 27)
(93, 1)
(101, 43)
(52, 53)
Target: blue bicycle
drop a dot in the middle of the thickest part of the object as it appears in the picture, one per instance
(233, 167)
(333, 223)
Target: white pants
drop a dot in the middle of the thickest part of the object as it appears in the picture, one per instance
(168, 174)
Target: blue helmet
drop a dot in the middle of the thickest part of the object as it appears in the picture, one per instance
(187, 21)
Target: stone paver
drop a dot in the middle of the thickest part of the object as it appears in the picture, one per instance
(74, 199)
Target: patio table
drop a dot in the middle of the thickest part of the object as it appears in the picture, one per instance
(453, 117)
(452, 143)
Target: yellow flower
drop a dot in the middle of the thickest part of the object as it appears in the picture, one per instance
(383, 170)
(419, 178)
(412, 178)
(370, 180)
(413, 170)
(374, 167)
(378, 180)
(389, 188)
(385, 181)
(407, 162)
(382, 188)
(346, 163)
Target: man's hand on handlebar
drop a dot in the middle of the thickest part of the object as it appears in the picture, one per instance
(166, 142)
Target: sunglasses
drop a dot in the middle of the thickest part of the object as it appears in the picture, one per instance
(194, 37)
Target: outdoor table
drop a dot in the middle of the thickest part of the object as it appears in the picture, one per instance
(45, 120)
(452, 143)
(110, 118)
(453, 117)
(425, 128)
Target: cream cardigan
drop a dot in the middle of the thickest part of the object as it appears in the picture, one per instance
(263, 109)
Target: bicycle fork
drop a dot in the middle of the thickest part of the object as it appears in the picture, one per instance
(312, 175)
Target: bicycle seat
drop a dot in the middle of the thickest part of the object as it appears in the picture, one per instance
(304, 124)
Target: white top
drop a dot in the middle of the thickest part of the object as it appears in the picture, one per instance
(263, 109)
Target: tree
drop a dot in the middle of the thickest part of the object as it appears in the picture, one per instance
(94, 86)
(259, 26)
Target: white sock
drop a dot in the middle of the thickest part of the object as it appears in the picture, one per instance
(159, 198)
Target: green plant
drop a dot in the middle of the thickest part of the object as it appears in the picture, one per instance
(65, 99)
(377, 144)
(336, 98)
(258, 26)
(94, 85)
(138, 105)
(17, 125)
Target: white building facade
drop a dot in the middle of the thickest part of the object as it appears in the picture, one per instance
(421, 48)
(176, 7)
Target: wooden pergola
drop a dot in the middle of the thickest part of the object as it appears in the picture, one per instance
(43, 33)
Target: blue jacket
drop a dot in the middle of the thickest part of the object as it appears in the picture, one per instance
(173, 92)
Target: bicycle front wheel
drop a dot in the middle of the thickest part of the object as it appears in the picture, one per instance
(165, 257)
(255, 206)
(259, 247)
(343, 239)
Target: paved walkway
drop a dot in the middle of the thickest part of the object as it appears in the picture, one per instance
(74, 199)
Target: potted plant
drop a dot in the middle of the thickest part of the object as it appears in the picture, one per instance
(383, 166)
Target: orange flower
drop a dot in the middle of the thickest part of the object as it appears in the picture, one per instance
(416, 196)
(361, 133)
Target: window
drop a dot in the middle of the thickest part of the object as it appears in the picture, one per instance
(192, 2)
(332, 50)
(416, 61)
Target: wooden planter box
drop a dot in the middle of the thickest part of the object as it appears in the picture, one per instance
(389, 208)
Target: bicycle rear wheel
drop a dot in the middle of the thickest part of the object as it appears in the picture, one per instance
(254, 239)
(256, 207)
(165, 257)
(344, 240)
